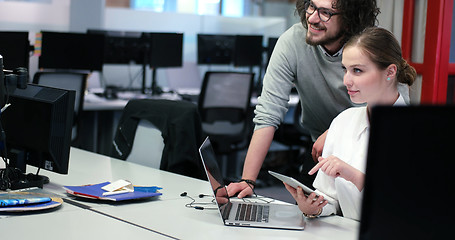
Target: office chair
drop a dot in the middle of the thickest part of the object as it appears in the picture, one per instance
(162, 134)
(226, 114)
(297, 138)
(71, 81)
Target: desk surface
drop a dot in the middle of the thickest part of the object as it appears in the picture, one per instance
(165, 215)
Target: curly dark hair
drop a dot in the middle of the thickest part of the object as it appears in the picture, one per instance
(356, 15)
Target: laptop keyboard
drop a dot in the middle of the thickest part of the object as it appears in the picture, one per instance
(252, 213)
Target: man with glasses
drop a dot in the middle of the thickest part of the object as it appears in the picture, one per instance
(308, 57)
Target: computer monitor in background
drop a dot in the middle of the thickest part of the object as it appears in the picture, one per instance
(121, 47)
(79, 51)
(215, 49)
(248, 50)
(409, 185)
(37, 126)
(166, 49)
(15, 49)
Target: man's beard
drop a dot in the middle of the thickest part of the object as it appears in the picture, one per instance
(326, 40)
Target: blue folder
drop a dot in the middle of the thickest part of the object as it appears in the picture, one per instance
(95, 191)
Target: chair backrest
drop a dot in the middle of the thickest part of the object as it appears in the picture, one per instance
(224, 101)
(160, 133)
(148, 145)
(298, 116)
(70, 81)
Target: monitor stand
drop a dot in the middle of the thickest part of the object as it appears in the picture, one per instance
(18, 180)
(14, 176)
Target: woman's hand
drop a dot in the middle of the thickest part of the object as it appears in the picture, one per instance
(335, 167)
(310, 205)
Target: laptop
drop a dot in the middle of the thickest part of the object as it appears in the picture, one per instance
(237, 212)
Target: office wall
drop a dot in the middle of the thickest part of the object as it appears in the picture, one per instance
(34, 17)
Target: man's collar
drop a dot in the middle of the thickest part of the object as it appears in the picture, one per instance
(337, 54)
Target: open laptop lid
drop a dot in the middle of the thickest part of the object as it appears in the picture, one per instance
(409, 182)
(214, 176)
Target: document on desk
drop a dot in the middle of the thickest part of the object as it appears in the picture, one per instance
(95, 191)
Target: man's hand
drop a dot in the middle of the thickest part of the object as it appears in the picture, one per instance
(242, 188)
(316, 151)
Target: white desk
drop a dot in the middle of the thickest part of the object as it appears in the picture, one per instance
(69, 222)
(166, 214)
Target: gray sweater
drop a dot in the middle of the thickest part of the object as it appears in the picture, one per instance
(317, 77)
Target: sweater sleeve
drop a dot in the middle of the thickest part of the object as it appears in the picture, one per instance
(277, 84)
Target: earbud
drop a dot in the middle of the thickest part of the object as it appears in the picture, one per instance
(193, 201)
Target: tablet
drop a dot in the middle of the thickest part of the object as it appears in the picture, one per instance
(294, 183)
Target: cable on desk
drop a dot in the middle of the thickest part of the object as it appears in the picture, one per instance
(197, 205)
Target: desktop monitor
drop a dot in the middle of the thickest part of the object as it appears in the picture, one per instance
(408, 185)
(165, 49)
(121, 47)
(38, 126)
(248, 50)
(15, 49)
(215, 49)
(63, 50)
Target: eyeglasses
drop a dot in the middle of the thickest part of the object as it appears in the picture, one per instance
(323, 13)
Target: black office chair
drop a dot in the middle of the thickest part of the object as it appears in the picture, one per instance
(67, 80)
(296, 137)
(226, 114)
(162, 134)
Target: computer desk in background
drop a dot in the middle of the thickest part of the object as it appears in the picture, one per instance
(166, 215)
(100, 117)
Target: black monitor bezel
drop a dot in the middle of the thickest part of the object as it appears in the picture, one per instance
(71, 51)
(215, 48)
(15, 49)
(248, 50)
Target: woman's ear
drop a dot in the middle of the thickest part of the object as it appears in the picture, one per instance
(391, 71)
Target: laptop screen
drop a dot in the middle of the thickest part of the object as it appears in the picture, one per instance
(409, 184)
(214, 176)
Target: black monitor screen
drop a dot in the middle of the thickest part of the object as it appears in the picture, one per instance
(122, 47)
(38, 127)
(165, 49)
(15, 49)
(61, 50)
(248, 50)
(409, 183)
(215, 49)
